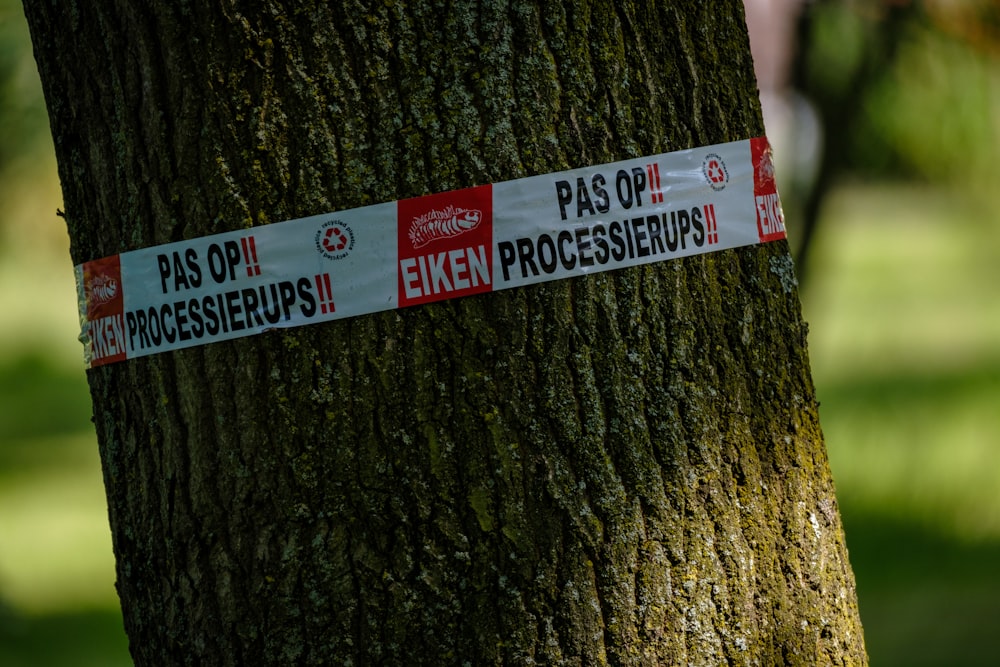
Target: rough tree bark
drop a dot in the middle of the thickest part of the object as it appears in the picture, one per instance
(621, 469)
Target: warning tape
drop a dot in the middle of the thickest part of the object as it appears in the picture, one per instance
(425, 249)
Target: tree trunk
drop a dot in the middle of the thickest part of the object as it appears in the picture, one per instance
(625, 468)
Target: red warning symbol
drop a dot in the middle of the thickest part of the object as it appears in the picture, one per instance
(712, 224)
(653, 171)
(250, 256)
(325, 290)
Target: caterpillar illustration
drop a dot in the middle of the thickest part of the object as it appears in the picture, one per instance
(443, 224)
(103, 289)
(766, 165)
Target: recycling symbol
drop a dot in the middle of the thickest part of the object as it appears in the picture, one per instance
(334, 239)
(715, 171)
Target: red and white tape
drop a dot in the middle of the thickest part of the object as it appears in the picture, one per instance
(416, 251)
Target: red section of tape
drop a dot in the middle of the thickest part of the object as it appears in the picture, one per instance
(770, 218)
(103, 290)
(445, 245)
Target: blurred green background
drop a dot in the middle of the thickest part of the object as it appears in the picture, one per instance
(903, 219)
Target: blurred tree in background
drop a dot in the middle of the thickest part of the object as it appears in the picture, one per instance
(927, 113)
(893, 89)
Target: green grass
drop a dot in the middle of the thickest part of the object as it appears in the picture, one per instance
(927, 599)
(58, 606)
(905, 346)
(57, 601)
(79, 638)
(40, 398)
(922, 443)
